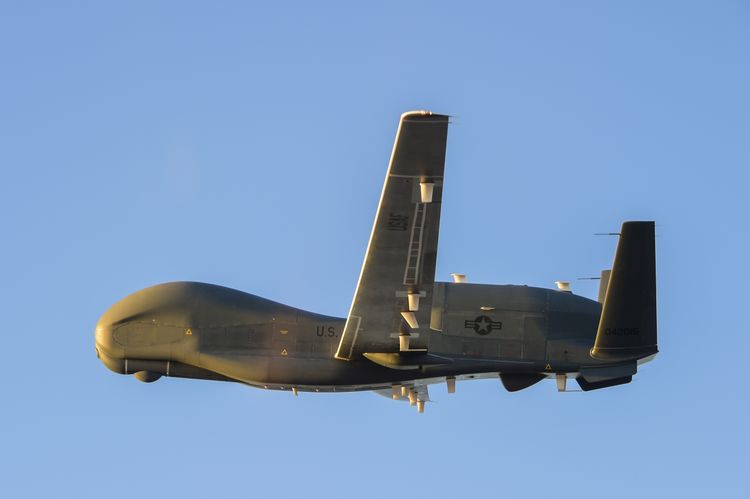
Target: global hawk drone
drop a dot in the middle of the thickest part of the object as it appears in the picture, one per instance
(404, 330)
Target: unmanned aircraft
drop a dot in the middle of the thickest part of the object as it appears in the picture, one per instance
(404, 331)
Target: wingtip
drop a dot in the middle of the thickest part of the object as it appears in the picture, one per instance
(418, 112)
(424, 114)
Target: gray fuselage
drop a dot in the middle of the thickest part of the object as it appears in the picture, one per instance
(203, 331)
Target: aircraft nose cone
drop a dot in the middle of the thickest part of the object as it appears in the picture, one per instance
(108, 351)
(103, 339)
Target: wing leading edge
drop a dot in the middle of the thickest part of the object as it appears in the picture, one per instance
(391, 304)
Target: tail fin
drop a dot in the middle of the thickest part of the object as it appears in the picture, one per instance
(627, 328)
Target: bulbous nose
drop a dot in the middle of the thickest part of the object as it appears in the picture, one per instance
(108, 350)
(102, 338)
(149, 324)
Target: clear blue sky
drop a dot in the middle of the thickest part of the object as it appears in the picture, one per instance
(245, 145)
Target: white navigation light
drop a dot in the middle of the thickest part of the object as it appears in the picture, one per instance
(458, 278)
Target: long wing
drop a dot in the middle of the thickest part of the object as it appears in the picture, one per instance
(394, 291)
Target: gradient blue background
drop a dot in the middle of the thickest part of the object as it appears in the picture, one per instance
(246, 145)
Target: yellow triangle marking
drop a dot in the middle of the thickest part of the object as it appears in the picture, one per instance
(283, 352)
(548, 367)
(189, 331)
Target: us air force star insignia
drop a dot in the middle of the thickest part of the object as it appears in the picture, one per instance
(483, 325)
